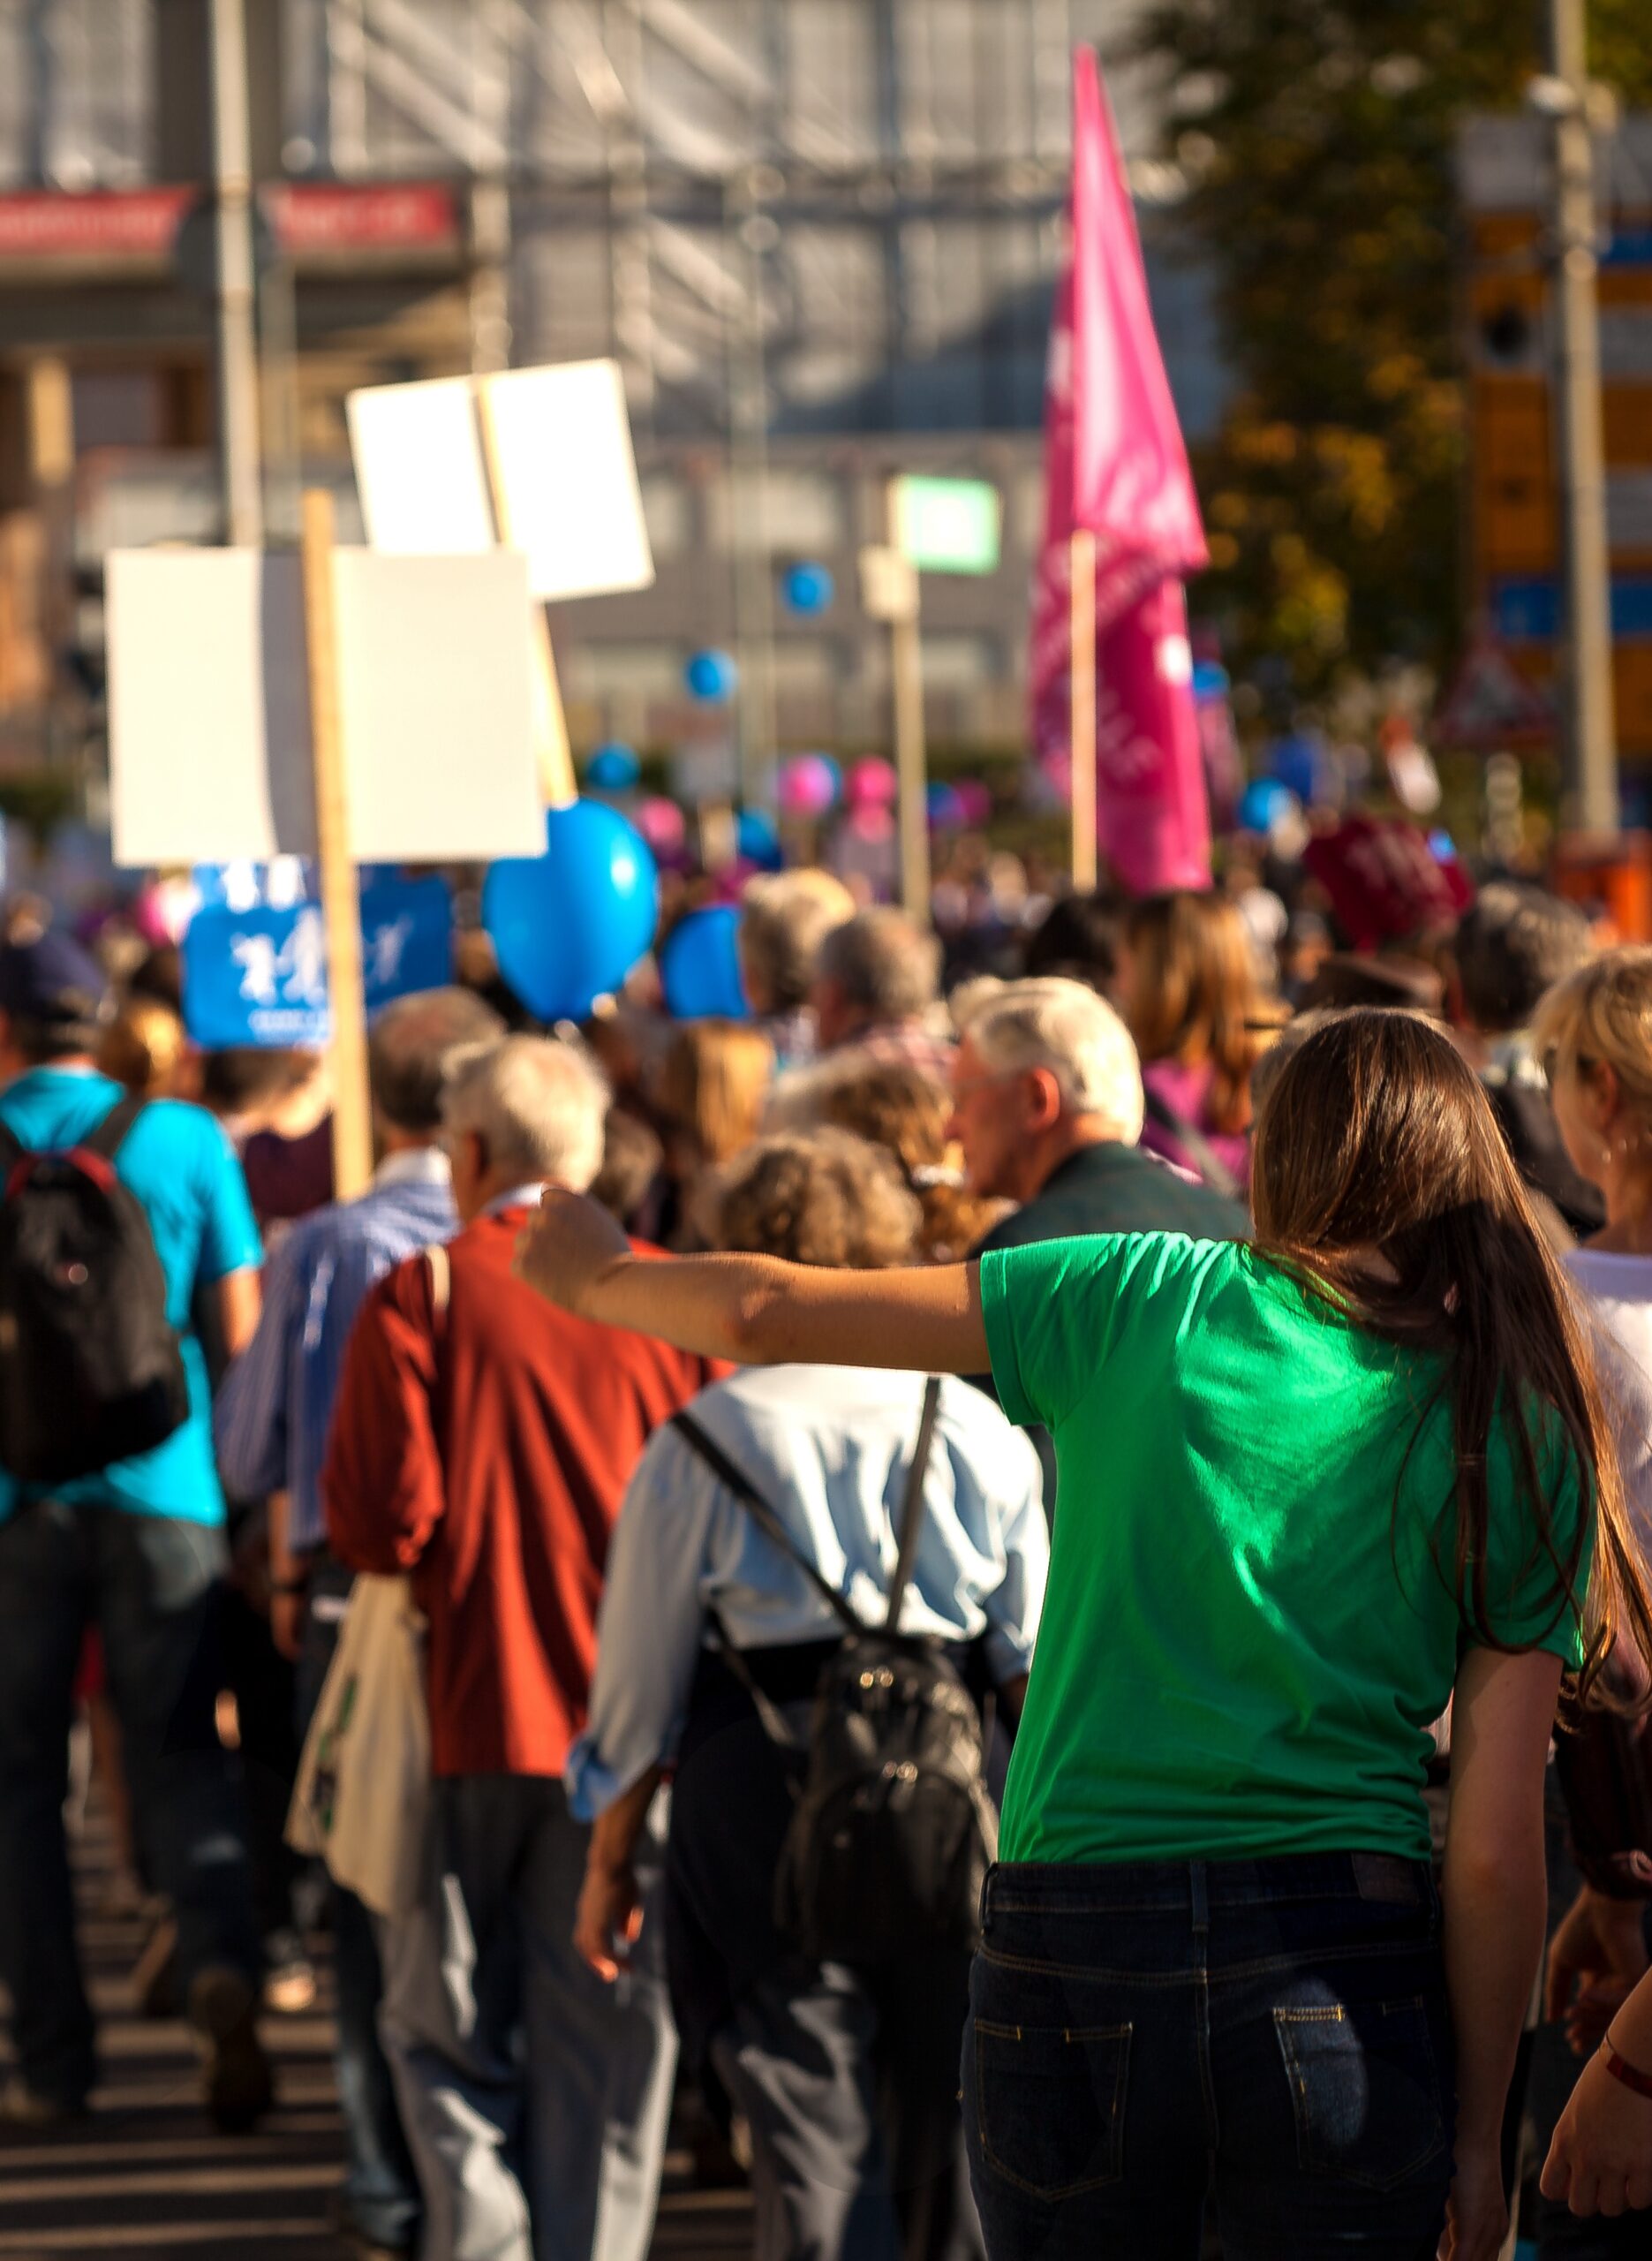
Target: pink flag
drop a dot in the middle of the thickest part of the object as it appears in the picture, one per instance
(1115, 465)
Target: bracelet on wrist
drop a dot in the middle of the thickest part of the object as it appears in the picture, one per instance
(292, 1586)
(1632, 2078)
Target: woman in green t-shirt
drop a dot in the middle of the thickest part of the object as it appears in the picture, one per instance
(1311, 1490)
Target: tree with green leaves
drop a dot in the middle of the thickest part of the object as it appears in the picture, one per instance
(1319, 145)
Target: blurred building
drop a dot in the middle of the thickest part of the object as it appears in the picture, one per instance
(1504, 178)
(818, 235)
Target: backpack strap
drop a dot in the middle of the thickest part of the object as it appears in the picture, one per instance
(106, 1141)
(912, 1504)
(764, 1515)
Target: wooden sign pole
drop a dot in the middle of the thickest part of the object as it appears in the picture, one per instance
(912, 761)
(550, 724)
(1081, 561)
(341, 905)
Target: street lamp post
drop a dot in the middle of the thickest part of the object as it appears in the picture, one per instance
(1591, 726)
(235, 281)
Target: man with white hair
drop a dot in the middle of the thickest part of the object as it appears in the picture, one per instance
(483, 1441)
(1048, 1108)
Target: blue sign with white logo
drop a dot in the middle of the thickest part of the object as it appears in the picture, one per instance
(259, 976)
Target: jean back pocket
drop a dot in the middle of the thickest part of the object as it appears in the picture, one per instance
(1365, 2090)
(1050, 2102)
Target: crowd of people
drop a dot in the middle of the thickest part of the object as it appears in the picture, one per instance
(1029, 1582)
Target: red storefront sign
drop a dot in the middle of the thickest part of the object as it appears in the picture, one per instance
(321, 217)
(125, 223)
(309, 219)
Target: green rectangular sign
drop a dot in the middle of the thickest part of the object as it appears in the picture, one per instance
(947, 525)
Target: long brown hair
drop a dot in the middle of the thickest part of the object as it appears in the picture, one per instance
(1195, 997)
(713, 1083)
(1376, 1138)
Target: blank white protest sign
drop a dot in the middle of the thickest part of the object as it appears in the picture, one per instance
(209, 715)
(563, 472)
(420, 468)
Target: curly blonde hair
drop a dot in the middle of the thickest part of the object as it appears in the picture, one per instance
(817, 1197)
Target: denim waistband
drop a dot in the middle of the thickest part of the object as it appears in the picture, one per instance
(1099, 1887)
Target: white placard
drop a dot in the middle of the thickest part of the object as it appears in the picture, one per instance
(568, 478)
(567, 495)
(209, 723)
(420, 469)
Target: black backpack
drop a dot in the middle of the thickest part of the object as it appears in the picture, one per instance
(91, 1369)
(893, 1830)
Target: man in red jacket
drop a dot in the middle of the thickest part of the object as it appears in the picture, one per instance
(482, 1441)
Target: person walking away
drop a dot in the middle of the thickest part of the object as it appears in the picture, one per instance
(708, 1096)
(876, 990)
(136, 1550)
(1591, 1043)
(484, 1447)
(784, 916)
(1512, 946)
(1365, 1464)
(846, 2077)
(271, 1423)
(1186, 986)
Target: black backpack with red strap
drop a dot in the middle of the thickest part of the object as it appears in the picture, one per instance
(91, 1368)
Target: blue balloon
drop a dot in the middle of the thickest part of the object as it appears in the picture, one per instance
(699, 967)
(757, 839)
(1210, 680)
(569, 926)
(1301, 763)
(1262, 801)
(613, 768)
(946, 812)
(712, 676)
(809, 588)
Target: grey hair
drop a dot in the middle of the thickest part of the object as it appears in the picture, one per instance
(538, 1104)
(411, 1044)
(784, 916)
(1065, 1027)
(886, 966)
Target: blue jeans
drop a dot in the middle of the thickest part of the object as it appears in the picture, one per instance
(1268, 2037)
(151, 1584)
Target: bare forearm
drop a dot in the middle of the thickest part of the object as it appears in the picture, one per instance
(760, 1311)
(1494, 1937)
(615, 1830)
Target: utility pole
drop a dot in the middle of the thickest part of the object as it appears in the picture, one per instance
(1591, 732)
(237, 340)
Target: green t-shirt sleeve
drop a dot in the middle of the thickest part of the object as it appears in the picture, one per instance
(1526, 1597)
(1048, 1312)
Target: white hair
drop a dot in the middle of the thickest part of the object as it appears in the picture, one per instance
(1065, 1027)
(538, 1106)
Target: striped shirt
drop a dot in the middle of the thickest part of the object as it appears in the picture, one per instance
(271, 1418)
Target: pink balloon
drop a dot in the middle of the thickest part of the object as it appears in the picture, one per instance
(975, 801)
(871, 822)
(871, 784)
(662, 825)
(806, 786)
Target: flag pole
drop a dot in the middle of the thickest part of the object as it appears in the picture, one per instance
(1082, 667)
